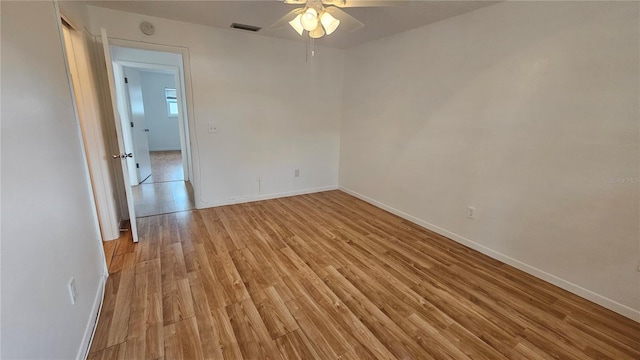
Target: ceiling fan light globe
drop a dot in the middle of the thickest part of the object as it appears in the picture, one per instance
(317, 33)
(297, 25)
(329, 22)
(309, 19)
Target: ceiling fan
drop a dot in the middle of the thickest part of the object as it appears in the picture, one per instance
(322, 17)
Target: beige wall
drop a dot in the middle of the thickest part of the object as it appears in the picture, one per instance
(523, 110)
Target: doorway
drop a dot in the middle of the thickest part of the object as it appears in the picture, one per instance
(155, 129)
(162, 186)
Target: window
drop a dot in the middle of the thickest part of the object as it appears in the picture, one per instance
(172, 102)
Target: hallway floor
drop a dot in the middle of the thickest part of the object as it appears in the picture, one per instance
(165, 166)
(165, 191)
(162, 197)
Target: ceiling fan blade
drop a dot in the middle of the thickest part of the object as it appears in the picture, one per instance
(283, 21)
(365, 3)
(295, 2)
(347, 22)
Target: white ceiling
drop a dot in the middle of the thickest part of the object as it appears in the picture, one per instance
(379, 21)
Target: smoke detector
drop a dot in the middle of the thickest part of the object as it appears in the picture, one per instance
(147, 28)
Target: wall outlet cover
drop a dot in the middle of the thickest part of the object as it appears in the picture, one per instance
(471, 212)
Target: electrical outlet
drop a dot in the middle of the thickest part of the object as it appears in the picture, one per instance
(213, 128)
(72, 291)
(471, 212)
(296, 173)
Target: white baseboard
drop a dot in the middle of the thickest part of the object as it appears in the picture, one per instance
(87, 339)
(246, 199)
(555, 280)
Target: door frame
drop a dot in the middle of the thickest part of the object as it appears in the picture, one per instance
(186, 106)
(183, 125)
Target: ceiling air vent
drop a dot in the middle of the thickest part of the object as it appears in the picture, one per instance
(246, 27)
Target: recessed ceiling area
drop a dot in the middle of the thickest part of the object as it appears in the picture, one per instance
(379, 21)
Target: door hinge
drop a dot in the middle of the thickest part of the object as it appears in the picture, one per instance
(137, 166)
(131, 123)
(126, 81)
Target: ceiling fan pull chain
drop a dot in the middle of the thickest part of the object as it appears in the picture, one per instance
(313, 47)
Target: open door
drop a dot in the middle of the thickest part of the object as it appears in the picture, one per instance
(123, 157)
(139, 131)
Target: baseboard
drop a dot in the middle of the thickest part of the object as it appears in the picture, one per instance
(246, 199)
(555, 280)
(87, 339)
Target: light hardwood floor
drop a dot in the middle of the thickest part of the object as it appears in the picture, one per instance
(165, 191)
(162, 197)
(327, 276)
(165, 166)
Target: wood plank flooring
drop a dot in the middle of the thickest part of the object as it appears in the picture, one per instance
(327, 276)
(162, 197)
(165, 166)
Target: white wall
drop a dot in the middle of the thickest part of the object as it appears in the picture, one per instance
(274, 111)
(164, 131)
(49, 225)
(75, 12)
(524, 110)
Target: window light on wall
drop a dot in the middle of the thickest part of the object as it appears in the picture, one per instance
(172, 102)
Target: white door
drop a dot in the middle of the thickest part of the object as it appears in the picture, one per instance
(123, 157)
(137, 127)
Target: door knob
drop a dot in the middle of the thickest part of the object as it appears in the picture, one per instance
(122, 156)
